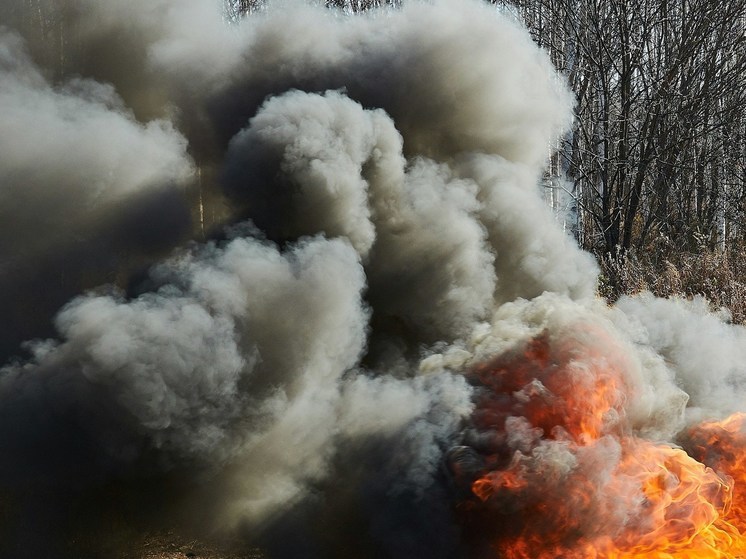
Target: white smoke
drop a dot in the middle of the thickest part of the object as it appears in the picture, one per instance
(705, 352)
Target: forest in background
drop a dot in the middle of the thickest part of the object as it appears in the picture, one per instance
(652, 176)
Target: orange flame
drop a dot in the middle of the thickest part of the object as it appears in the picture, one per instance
(722, 446)
(566, 478)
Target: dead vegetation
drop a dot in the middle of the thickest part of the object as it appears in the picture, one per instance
(166, 544)
(170, 546)
(665, 270)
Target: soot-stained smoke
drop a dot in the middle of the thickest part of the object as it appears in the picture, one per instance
(377, 343)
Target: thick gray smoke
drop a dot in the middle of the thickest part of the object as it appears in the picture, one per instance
(301, 378)
(85, 187)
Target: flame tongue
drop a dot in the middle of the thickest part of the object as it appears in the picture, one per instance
(564, 476)
(683, 506)
(722, 446)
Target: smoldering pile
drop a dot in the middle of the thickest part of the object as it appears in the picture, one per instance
(317, 374)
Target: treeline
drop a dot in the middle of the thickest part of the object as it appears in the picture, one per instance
(658, 143)
(652, 177)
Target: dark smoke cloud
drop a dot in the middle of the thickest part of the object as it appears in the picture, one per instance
(84, 187)
(342, 172)
(302, 378)
(217, 368)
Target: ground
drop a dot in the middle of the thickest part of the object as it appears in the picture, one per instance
(170, 546)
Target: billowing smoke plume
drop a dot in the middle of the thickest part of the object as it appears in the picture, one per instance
(85, 187)
(378, 342)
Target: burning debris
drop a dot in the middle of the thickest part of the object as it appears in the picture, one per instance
(386, 347)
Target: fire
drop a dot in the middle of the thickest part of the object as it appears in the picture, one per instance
(564, 476)
(721, 445)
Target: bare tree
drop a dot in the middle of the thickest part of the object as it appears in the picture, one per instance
(658, 144)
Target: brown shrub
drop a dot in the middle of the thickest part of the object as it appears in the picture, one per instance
(665, 270)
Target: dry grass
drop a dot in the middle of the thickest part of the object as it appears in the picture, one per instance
(665, 270)
(171, 546)
(158, 545)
